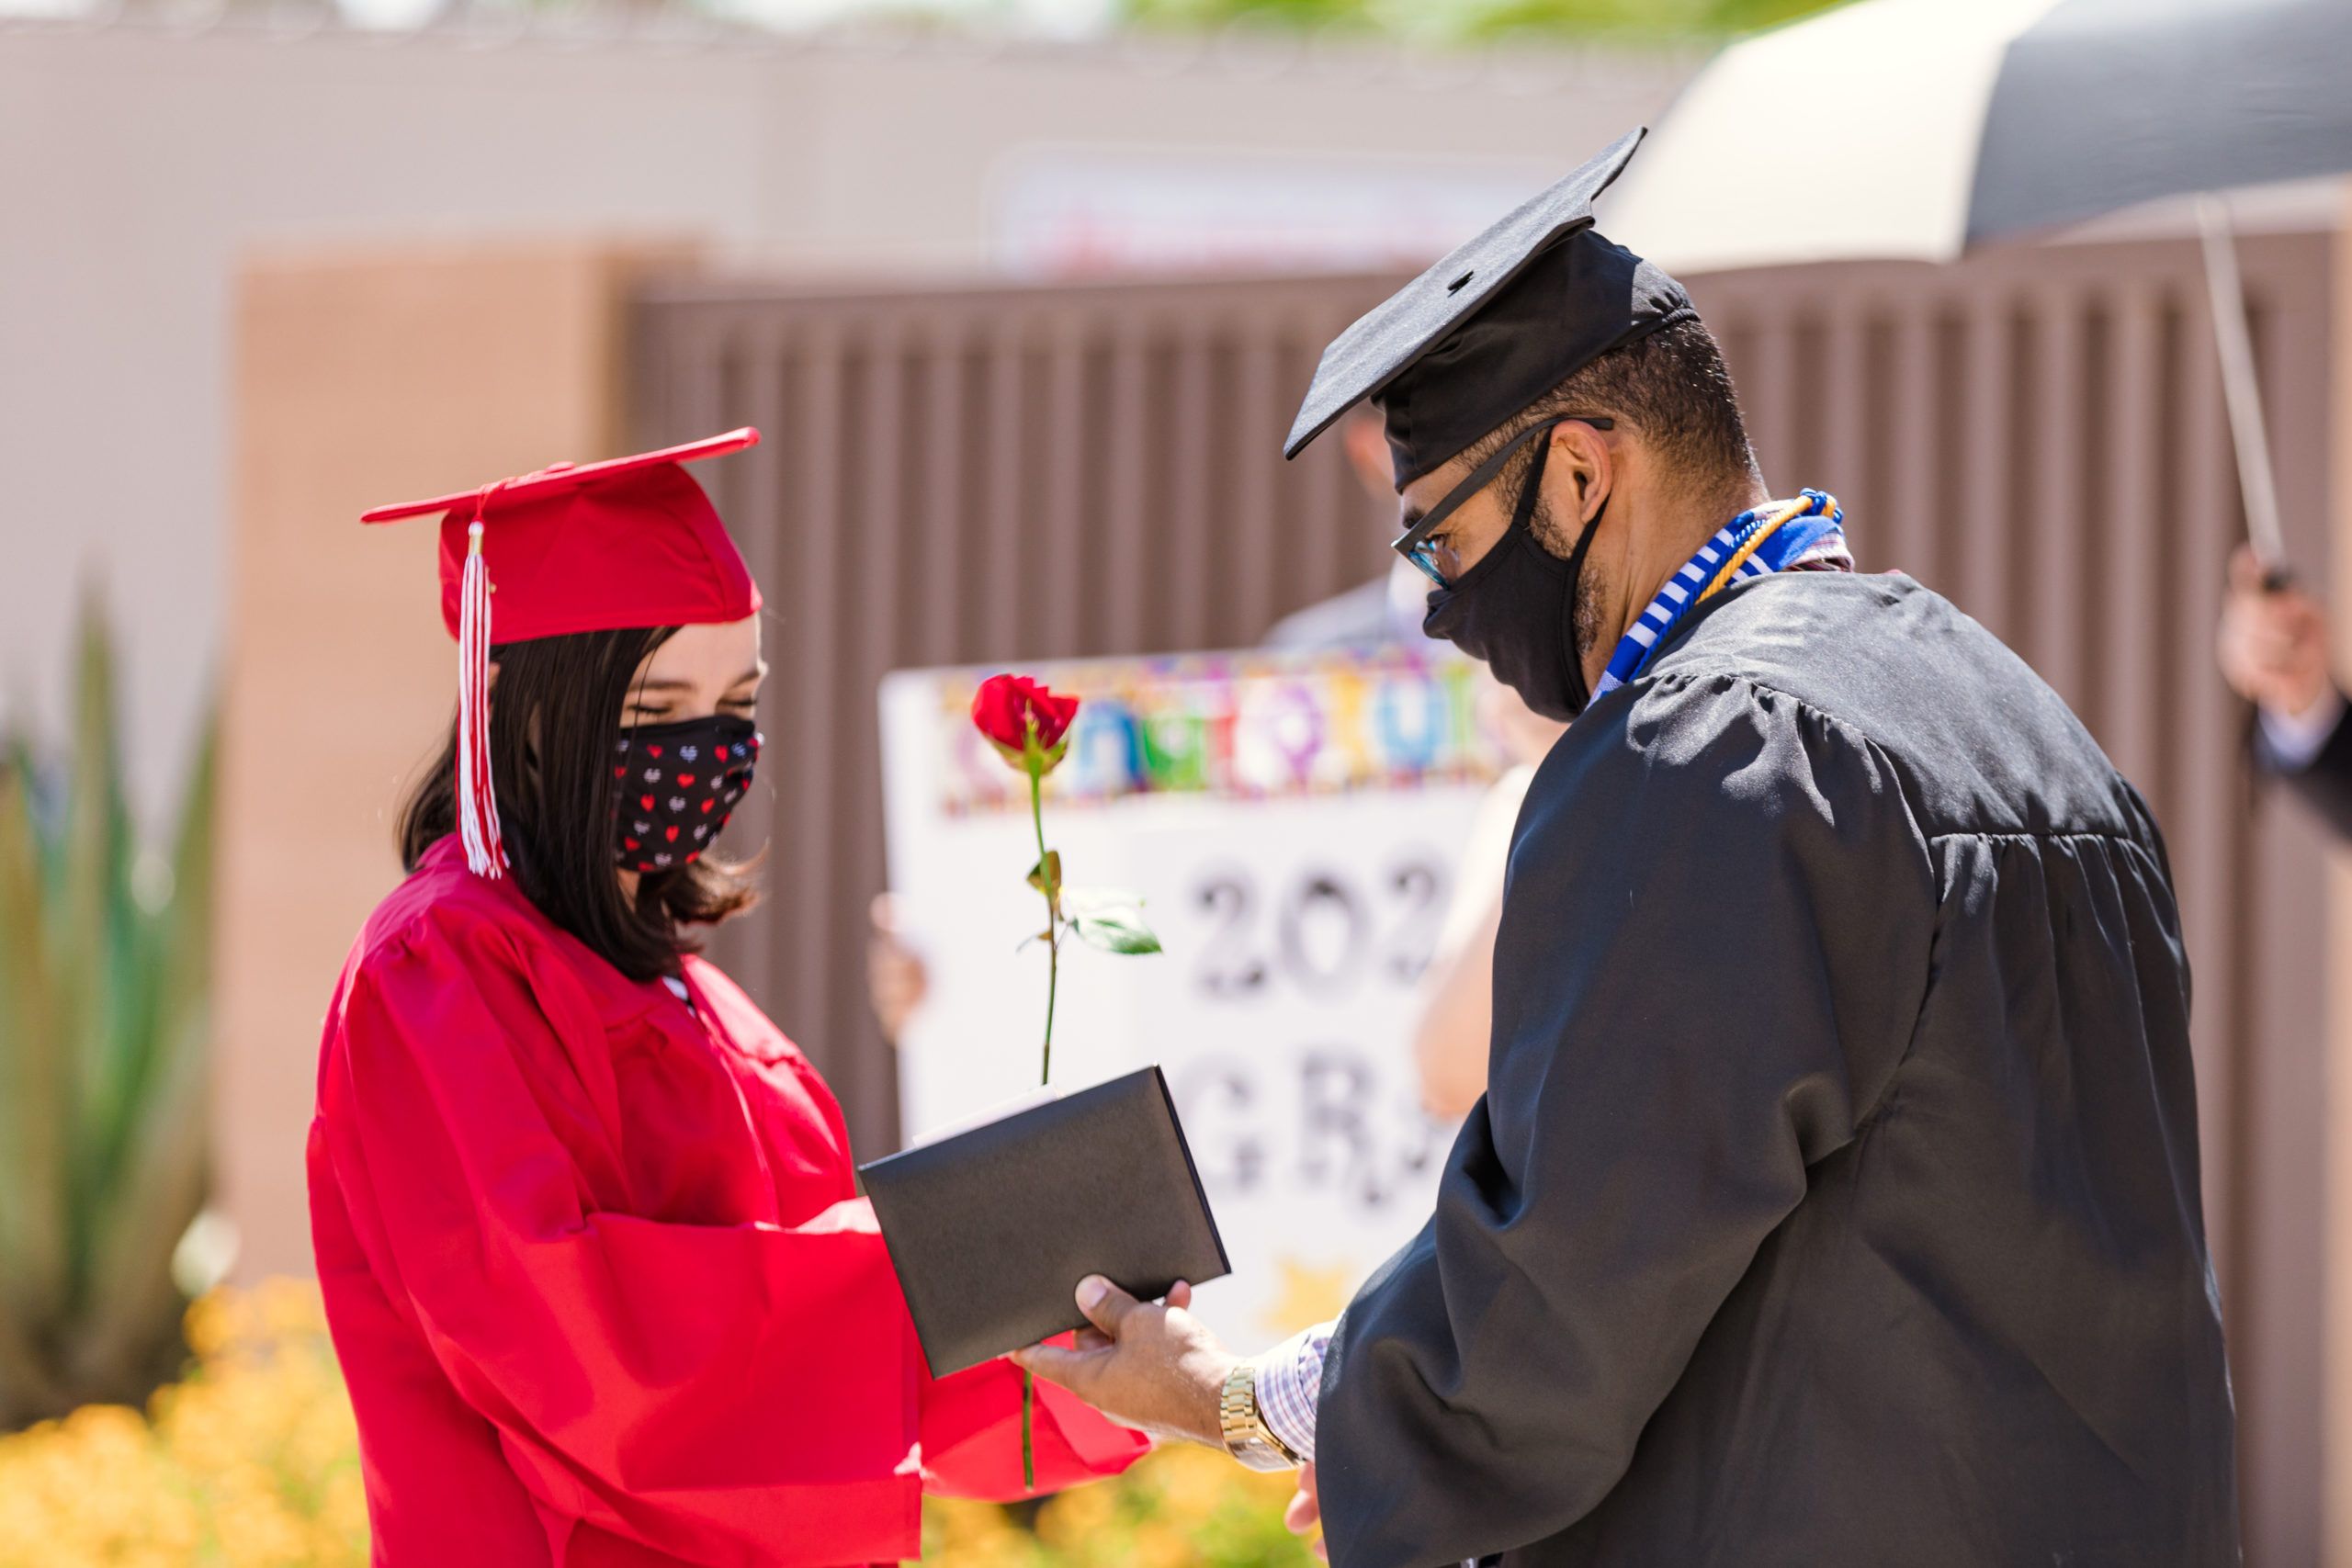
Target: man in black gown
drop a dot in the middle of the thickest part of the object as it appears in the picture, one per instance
(1835, 1197)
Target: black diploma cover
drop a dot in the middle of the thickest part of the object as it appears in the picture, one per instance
(991, 1229)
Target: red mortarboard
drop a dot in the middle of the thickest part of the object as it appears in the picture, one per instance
(592, 546)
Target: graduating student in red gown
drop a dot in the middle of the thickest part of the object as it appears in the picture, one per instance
(585, 1219)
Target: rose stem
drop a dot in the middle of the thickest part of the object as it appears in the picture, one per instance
(1053, 918)
(1047, 883)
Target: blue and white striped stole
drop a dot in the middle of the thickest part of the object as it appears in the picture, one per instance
(1771, 537)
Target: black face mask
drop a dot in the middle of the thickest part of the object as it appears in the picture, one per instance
(674, 785)
(1517, 609)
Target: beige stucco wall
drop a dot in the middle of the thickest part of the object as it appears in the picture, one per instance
(360, 382)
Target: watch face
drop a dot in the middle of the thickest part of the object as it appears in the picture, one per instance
(1257, 1455)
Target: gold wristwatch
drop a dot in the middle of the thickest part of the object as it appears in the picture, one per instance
(1247, 1437)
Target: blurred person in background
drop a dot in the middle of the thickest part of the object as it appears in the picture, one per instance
(1456, 1026)
(2273, 651)
(1449, 1035)
(1386, 609)
(1835, 1196)
(586, 1221)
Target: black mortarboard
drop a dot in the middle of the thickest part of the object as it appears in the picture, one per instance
(1494, 326)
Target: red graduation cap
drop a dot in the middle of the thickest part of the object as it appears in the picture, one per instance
(573, 547)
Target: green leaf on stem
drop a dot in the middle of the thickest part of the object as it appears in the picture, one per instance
(1114, 930)
(1045, 877)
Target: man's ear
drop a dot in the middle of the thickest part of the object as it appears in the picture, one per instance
(1586, 466)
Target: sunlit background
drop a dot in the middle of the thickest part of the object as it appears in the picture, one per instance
(1022, 293)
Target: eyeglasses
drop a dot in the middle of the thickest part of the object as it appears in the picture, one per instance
(1437, 558)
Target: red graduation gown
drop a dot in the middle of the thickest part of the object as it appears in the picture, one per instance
(597, 1276)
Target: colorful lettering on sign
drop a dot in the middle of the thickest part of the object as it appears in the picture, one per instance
(1238, 726)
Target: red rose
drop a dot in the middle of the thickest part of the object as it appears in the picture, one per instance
(1018, 714)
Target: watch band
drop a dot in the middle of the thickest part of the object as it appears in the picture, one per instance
(1247, 1437)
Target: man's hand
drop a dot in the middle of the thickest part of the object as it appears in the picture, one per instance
(2273, 642)
(1151, 1367)
(1305, 1515)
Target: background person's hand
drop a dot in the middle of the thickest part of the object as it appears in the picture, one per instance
(2272, 644)
(896, 980)
(1305, 1515)
(1153, 1366)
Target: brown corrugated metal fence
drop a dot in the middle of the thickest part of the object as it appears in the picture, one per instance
(1017, 474)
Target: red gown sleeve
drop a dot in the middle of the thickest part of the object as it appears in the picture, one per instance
(971, 1437)
(729, 1393)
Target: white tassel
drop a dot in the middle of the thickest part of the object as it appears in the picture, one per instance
(477, 801)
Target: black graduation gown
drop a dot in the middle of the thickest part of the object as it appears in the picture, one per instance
(1835, 1197)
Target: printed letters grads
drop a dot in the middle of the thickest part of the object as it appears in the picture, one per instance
(595, 1270)
(1835, 1197)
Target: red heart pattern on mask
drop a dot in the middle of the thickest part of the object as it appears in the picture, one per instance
(676, 799)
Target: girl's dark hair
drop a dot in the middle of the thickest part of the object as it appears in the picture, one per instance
(552, 724)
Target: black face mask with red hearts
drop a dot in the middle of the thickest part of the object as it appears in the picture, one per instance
(674, 785)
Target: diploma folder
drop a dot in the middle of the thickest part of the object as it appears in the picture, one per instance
(993, 1228)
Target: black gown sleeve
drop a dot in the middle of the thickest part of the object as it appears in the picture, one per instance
(1716, 937)
(2326, 785)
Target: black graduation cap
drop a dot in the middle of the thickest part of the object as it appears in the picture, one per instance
(1494, 326)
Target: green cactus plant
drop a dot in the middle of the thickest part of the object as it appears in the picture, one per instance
(104, 1013)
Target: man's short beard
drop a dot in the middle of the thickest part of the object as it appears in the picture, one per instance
(1556, 541)
(1587, 615)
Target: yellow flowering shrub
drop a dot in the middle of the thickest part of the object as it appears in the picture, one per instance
(1179, 1508)
(251, 1461)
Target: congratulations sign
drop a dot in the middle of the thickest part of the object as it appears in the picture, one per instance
(1292, 824)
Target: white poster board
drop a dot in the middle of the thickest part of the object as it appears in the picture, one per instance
(1293, 823)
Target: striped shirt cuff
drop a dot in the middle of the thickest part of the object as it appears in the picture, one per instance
(1290, 1379)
